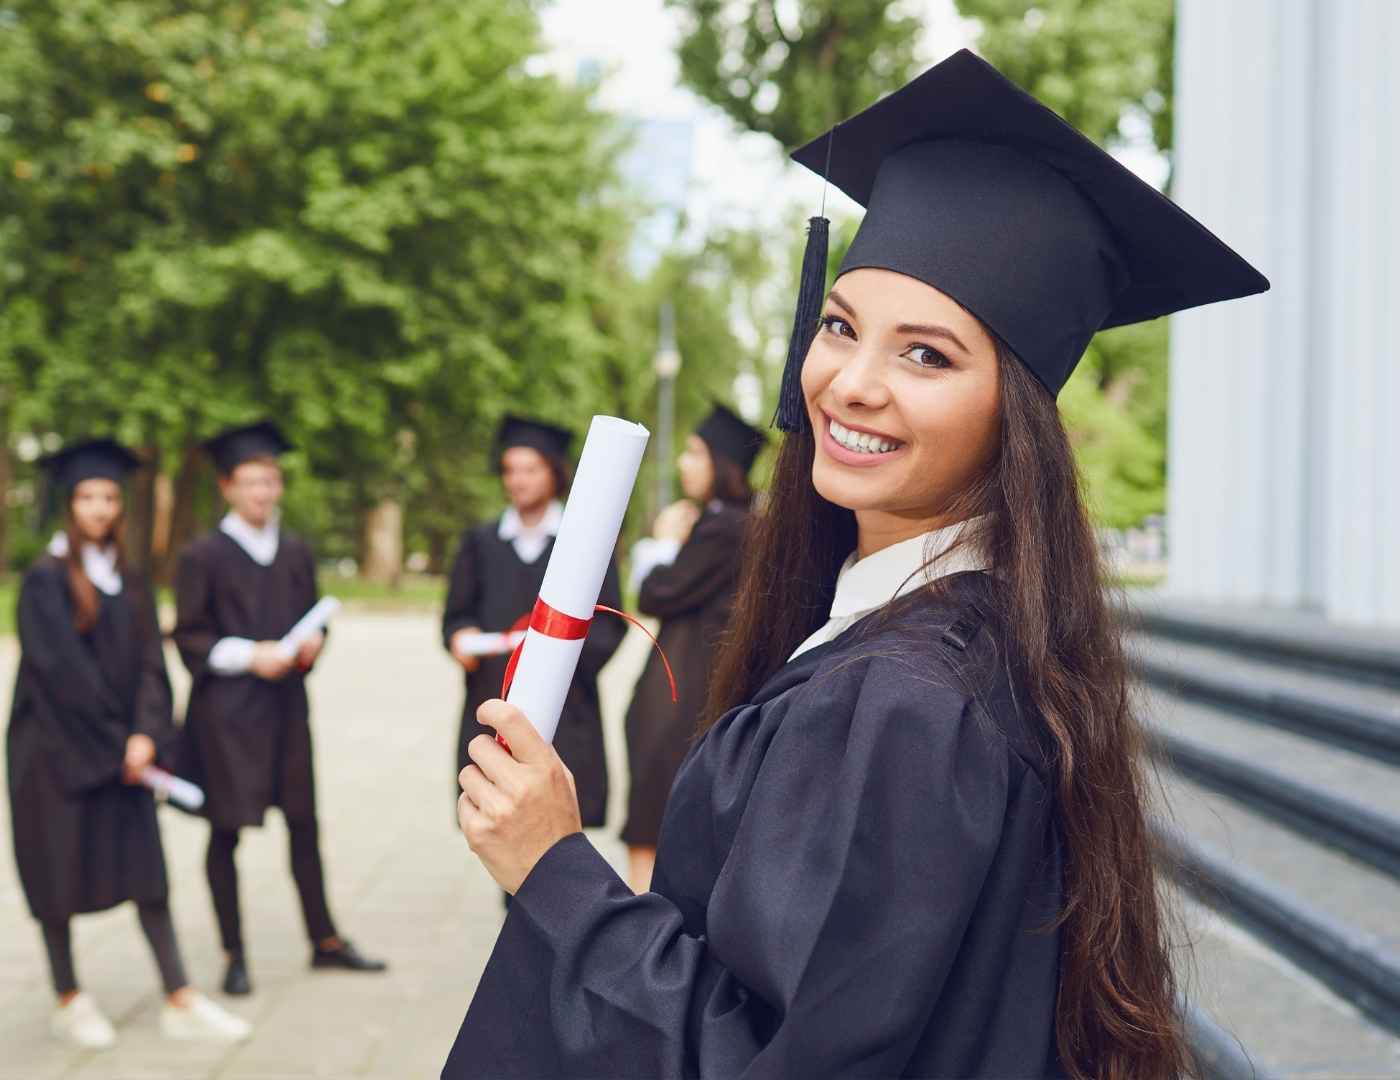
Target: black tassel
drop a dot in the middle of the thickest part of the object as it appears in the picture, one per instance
(811, 291)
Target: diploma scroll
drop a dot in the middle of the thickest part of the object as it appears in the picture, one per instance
(607, 472)
(312, 622)
(169, 786)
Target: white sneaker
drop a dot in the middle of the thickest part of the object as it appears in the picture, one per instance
(202, 1019)
(81, 1023)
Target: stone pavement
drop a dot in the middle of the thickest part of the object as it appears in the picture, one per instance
(402, 884)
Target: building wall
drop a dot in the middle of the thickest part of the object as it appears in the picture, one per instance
(1284, 467)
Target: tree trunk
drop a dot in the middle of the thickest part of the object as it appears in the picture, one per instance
(383, 543)
(141, 510)
(180, 524)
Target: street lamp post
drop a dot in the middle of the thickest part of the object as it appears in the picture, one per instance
(667, 366)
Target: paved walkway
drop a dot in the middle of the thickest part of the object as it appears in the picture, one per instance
(402, 884)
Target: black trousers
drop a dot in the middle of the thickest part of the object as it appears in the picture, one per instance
(306, 872)
(160, 933)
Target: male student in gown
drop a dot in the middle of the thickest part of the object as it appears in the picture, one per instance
(238, 590)
(495, 579)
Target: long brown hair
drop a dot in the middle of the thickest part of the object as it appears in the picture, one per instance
(86, 603)
(1115, 1015)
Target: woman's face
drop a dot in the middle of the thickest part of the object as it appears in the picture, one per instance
(527, 478)
(96, 505)
(697, 470)
(902, 389)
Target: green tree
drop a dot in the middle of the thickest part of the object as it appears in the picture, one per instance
(1092, 61)
(793, 77)
(366, 219)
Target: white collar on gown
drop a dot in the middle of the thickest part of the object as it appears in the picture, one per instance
(868, 584)
(530, 541)
(99, 563)
(260, 543)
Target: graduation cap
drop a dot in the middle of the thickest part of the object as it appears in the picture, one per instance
(232, 447)
(729, 437)
(91, 459)
(973, 186)
(548, 439)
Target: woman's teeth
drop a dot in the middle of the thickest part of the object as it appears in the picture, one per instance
(860, 442)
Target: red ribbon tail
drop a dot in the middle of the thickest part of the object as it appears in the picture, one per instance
(670, 676)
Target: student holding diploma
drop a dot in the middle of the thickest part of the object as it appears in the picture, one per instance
(686, 573)
(913, 840)
(495, 579)
(239, 590)
(92, 712)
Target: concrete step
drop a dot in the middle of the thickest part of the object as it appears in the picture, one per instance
(1295, 639)
(1271, 1013)
(1358, 717)
(1328, 912)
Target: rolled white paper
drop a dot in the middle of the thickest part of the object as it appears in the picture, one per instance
(607, 472)
(169, 786)
(313, 621)
(487, 644)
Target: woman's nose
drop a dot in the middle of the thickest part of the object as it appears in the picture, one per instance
(861, 381)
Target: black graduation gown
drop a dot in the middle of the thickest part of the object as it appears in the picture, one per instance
(83, 840)
(490, 588)
(857, 876)
(692, 598)
(248, 740)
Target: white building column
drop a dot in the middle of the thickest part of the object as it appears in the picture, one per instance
(1284, 457)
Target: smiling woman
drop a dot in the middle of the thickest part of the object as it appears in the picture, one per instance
(912, 840)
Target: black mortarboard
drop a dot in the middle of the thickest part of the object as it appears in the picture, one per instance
(973, 186)
(92, 459)
(728, 436)
(536, 434)
(233, 447)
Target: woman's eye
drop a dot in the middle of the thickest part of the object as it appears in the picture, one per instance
(834, 324)
(927, 357)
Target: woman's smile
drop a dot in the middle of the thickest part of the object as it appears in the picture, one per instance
(859, 448)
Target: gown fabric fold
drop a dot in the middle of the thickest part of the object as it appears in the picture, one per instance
(858, 876)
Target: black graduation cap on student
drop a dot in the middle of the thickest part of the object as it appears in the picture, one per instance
(548, 439)
(92, 459)
(232, 447)
(728, 436)
(973, 186)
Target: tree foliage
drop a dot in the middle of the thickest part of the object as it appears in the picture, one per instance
(366, 219)
(791, 71)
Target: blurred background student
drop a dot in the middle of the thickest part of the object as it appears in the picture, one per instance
(685, 575)
(495, 580)
(239, 589)
(92, 709)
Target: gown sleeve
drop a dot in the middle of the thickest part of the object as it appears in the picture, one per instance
(706, 564)
(462, 594)
(195, 631)
(607, 631)
(90, 724)
(155, 705)
(873, 820)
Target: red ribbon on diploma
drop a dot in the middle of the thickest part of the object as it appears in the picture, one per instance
(551, 622)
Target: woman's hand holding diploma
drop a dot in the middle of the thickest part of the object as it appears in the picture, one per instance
(140, 752)
(514, 806)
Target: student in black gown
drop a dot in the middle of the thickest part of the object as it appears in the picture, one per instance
(495, 580)
(686, 574)
(92, 710)
(238, 590)
(916, 843)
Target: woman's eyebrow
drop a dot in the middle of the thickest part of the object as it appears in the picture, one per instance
(932, 331)
(841, 302)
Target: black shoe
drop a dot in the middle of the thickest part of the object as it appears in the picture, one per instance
(236, 981)
(345, 958)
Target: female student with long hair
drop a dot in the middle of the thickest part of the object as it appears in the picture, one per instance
(686, 574)
(916, 843)
(92, 709)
